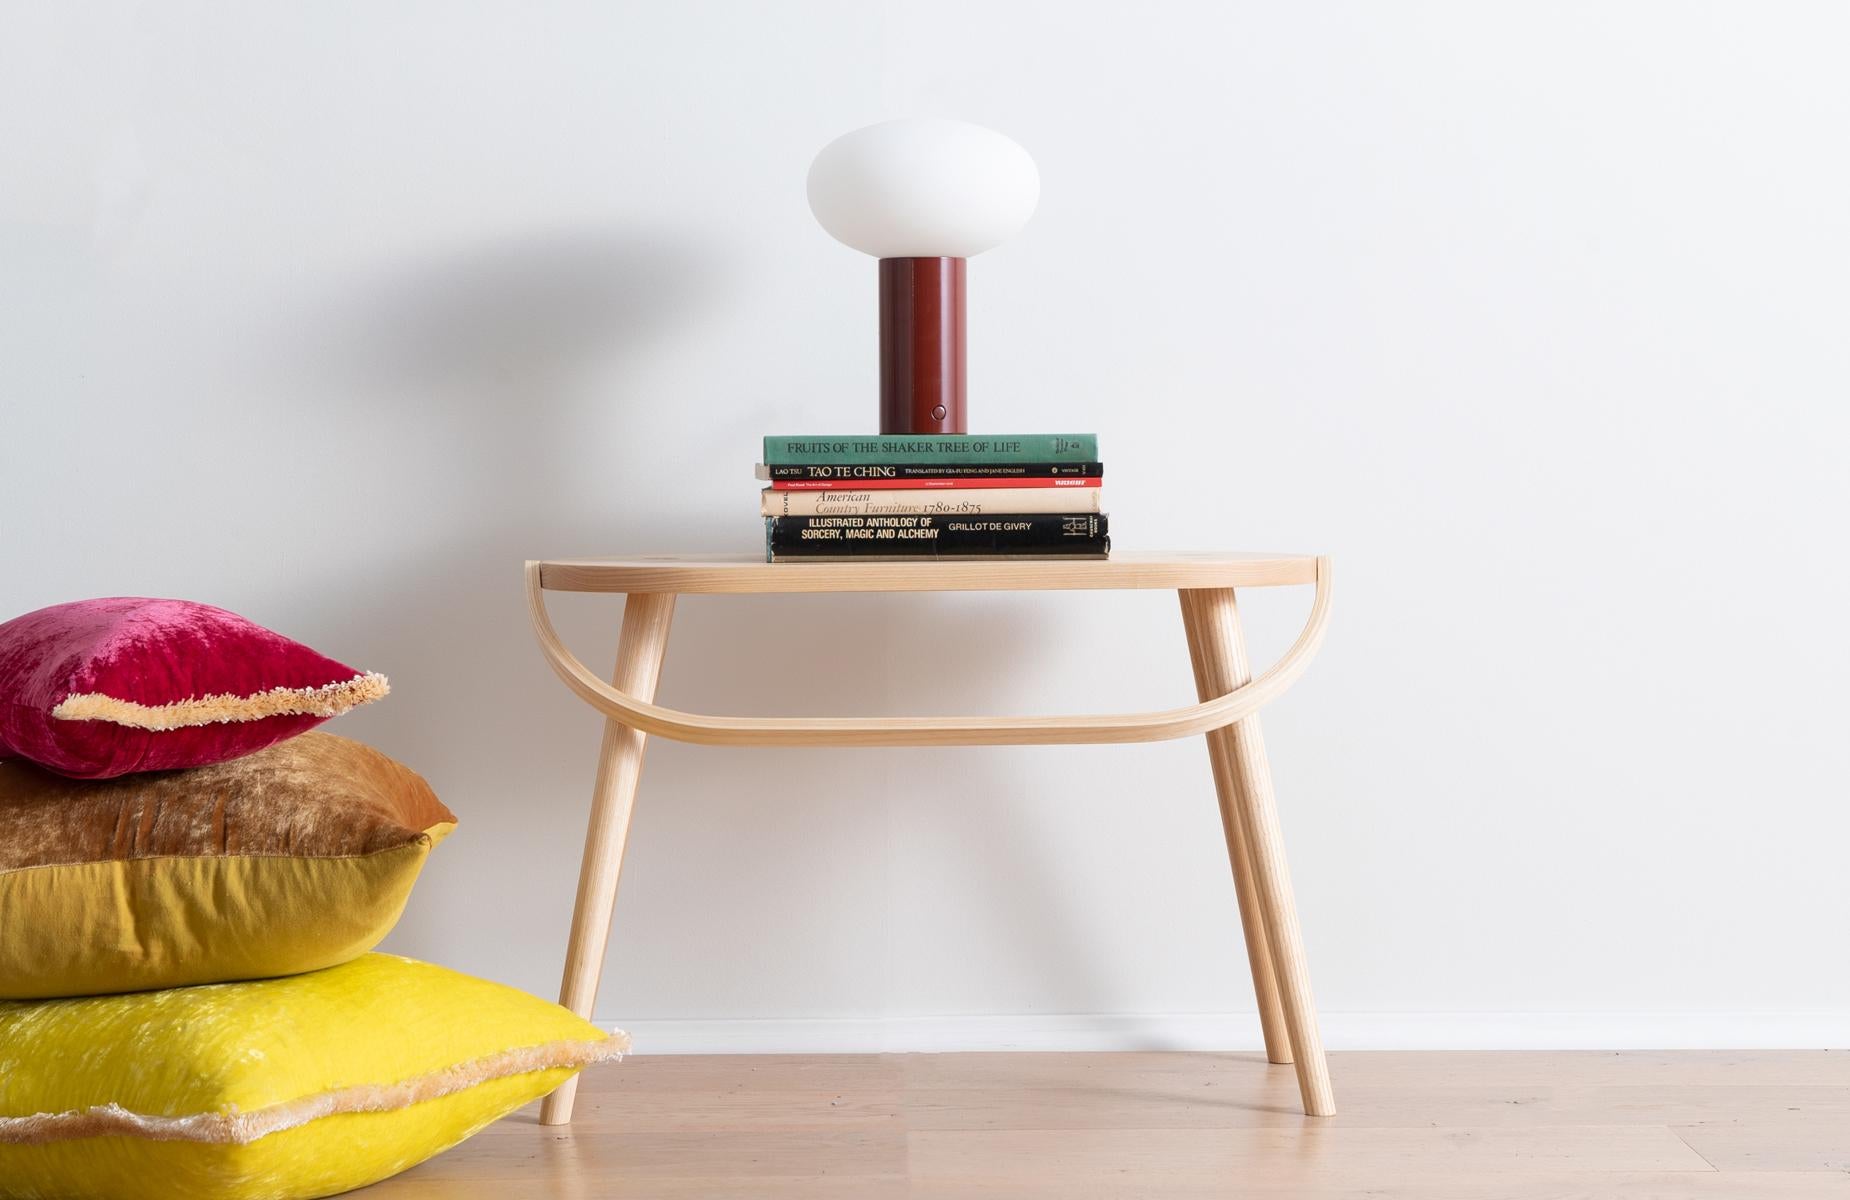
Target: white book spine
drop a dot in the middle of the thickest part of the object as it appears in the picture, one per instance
(970, 502)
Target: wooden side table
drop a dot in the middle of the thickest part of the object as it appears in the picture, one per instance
(1229, 698)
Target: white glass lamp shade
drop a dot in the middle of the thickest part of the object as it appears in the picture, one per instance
(926, 188)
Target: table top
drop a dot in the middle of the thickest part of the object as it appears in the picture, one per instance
(745, 574)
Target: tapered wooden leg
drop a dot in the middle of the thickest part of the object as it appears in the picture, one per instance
(646, 616)
(1217, 622)
(1220, 667)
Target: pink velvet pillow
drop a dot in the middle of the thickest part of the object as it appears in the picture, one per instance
(100, 688)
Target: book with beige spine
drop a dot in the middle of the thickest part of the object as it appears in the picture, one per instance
(972, 502)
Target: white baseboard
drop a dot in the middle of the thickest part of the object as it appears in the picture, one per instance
(1240, 1031)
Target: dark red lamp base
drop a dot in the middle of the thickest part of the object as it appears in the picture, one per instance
(922, 345)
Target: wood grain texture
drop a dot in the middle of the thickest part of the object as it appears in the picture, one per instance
(1414, 1126)
(639, 713)
(1220, 667)
(738, 574)
(1217, 621)
(640, 647)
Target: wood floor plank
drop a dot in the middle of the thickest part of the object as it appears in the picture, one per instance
(1815, 1139)
(1434, 1126)
(754, 1072)
(1213, 1105)
(1422, 1185)
(1523, 1068)
(590, 1185)
(676, 1110)
(652, 1156)
(1069, 1157)
(1657, 1068)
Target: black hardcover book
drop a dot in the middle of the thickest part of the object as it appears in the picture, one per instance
(938, 535)
(1072, 470)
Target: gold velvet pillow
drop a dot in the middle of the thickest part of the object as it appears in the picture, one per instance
(297, 857)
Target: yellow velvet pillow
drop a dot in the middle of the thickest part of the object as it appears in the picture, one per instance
(273, 1090)
(297, 857)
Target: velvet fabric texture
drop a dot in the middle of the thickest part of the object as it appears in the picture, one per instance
(291, 859)
(100, 688)
(278, 1090)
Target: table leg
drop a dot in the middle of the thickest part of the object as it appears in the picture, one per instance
(1216, 623)
(1220, 667)
(646, 617)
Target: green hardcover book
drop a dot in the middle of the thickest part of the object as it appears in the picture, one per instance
(932, 448)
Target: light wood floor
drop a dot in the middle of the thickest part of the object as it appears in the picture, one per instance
(1503, 1126)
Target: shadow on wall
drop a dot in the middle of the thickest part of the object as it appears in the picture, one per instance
(465, 378)
(474, 373)
(524, 314)
(491, 353)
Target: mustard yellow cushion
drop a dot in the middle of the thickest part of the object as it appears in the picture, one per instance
(272, 1090)
(297, 857)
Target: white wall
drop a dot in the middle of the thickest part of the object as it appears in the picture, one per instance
(1533, 315)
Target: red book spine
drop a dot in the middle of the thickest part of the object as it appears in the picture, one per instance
(925, 485)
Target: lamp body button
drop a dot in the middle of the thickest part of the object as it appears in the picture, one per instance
(937, 413)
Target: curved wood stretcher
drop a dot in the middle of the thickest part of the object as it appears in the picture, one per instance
(675, 576)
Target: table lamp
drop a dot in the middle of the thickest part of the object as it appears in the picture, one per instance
(922, 196)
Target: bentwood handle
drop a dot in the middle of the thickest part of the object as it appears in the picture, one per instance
(930, 731)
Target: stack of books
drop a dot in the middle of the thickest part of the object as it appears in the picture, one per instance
(945, 496)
